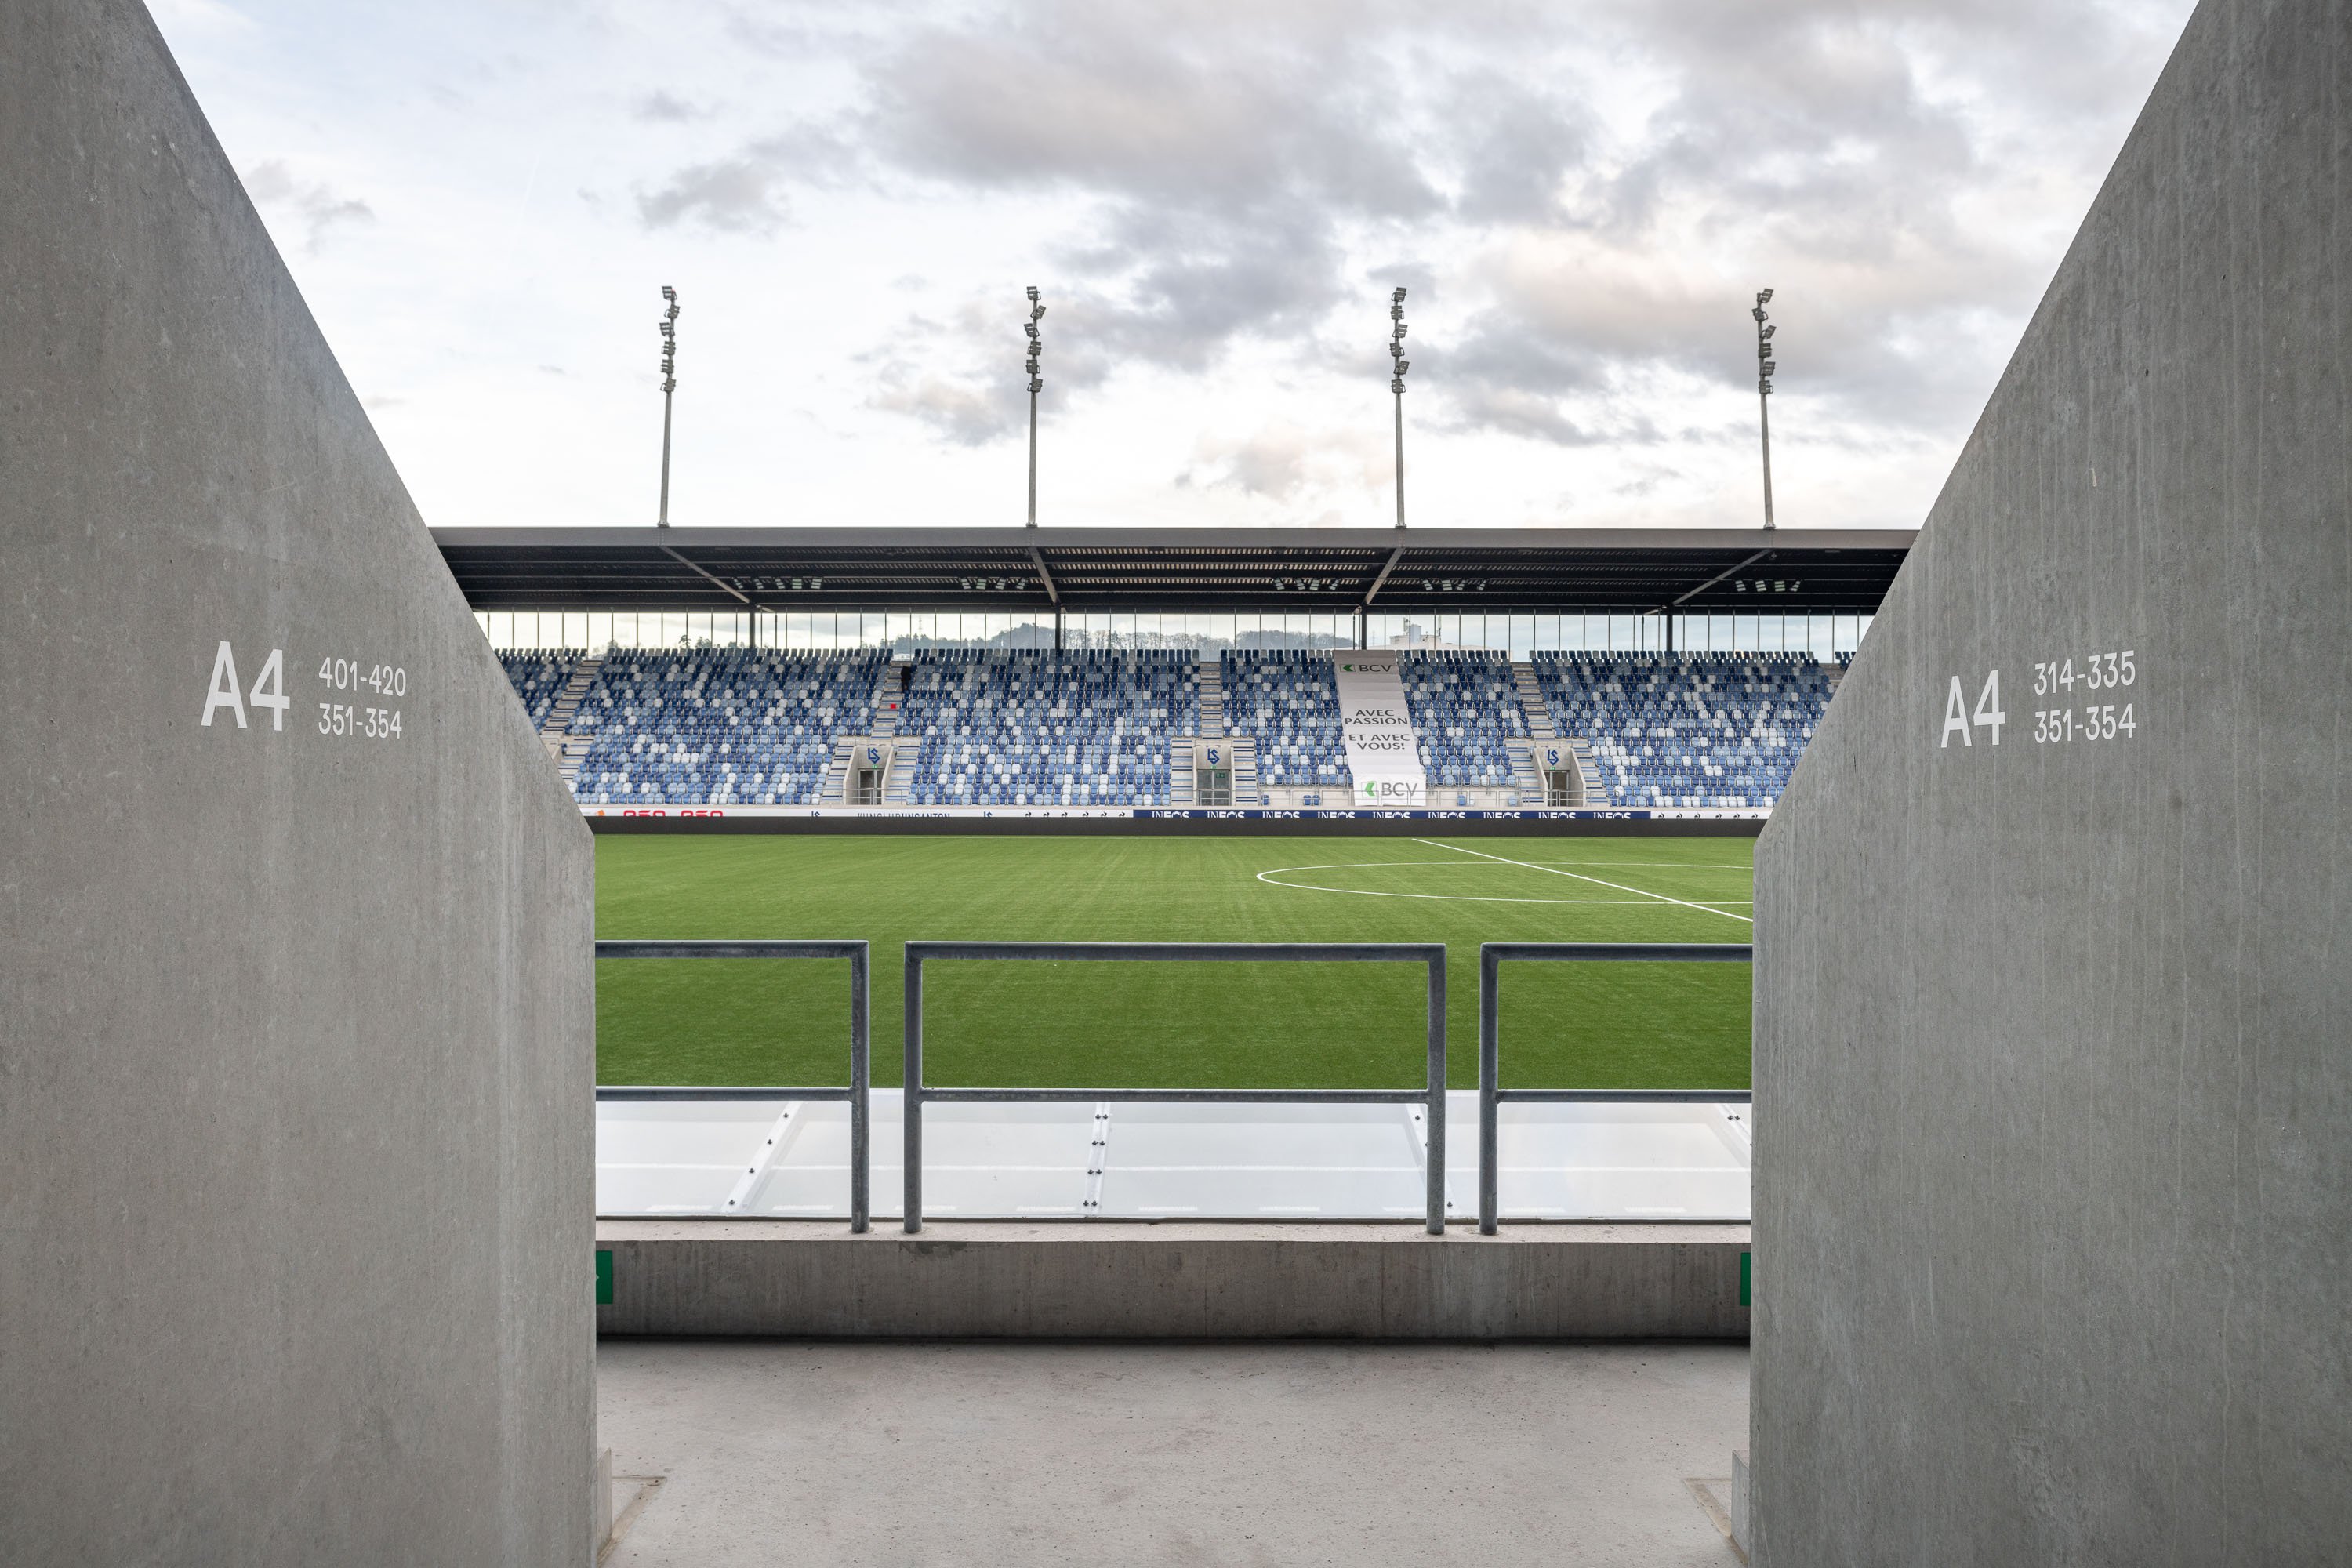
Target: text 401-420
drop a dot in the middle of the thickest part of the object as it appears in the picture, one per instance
(384, 678)
(225, 693)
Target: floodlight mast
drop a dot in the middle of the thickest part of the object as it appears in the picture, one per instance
(1765, 366)
(1036, 385)
(1399, 365)
(669, 387)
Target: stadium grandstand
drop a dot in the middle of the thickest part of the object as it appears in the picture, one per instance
(961, 670)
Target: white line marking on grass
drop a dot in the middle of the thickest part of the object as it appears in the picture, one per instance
(1635, 865)
(1530, 864)
(1267, 878)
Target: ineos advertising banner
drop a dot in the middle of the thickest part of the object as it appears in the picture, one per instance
(1377, 729)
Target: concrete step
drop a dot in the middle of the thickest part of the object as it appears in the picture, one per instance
(803, 1278)
(1532, 705)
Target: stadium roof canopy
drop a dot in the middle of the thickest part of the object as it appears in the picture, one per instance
(787, 570)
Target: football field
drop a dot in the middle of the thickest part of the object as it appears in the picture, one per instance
(1288, 1026)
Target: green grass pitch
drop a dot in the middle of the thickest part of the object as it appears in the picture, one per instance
(1287, 1026)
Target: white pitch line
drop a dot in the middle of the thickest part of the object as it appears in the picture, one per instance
(1704, 909)
(1267, 878)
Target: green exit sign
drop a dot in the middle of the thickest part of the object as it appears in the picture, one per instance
(604, 1278)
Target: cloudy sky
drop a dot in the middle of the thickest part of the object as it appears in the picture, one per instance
(481, 201)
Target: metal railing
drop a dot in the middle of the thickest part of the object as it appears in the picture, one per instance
(1491, 956)
(1434, 1095)
(857, 1093)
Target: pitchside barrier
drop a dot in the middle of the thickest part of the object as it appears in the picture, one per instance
(1432, 1095)
(1492, 955)
(856, 1094)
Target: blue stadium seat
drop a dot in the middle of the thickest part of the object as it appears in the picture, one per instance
(1690, 728)
(540, 674)
(1466, 708)
(999, 727)
(1286, 699)
(996, 726)
(721, 726)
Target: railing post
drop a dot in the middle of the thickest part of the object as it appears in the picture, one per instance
(1491, 1093)
(911, 1111)
(859, 1092)
(1490, 976)
(861, 1150)
(1437, 1094)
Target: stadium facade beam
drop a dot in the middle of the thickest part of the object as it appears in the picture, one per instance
(1727, 571)
(724, 586)
(1329, 571)
(747, 601)
(1053, 593)
(1394, 556)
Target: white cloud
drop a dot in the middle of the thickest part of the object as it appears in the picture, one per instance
(1215, 198)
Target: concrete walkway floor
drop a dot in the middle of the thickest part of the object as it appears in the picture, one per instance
(1003, 1455)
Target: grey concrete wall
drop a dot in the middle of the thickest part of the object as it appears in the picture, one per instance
(1103, 1280)
(295, 1029)
(2053, 1039)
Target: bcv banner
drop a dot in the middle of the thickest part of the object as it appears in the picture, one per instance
(1377, 729)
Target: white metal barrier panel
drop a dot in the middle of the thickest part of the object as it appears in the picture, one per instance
(1621, 1159)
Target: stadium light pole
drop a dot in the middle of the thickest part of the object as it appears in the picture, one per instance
(1399, 365)
(669, 388)
(1765, 366)
(1036, 385)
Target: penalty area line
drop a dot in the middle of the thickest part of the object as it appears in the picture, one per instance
(1704, 909)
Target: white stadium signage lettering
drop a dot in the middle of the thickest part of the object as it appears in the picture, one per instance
(2102, 678)
(1376, 729)
(375, 722)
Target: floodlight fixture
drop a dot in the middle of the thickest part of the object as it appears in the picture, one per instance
(669, 387)
(1765, 367)
(1035, 346)
(1397, 368)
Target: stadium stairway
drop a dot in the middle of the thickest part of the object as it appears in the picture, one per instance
(889, 695)
(1245, 791)
(1587, 770)
(1532, 705)
(898, 773)
(889, 754)
(566, 747)
(835, 789)
(1523, 772)
(1212, 699)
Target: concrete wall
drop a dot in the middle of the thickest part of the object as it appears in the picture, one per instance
(1109, 1281)
(2054, 1040)
(295, 1029)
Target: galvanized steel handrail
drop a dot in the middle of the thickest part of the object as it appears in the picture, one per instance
(1492, 955)
(1432, 1095)
(857, 1093)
